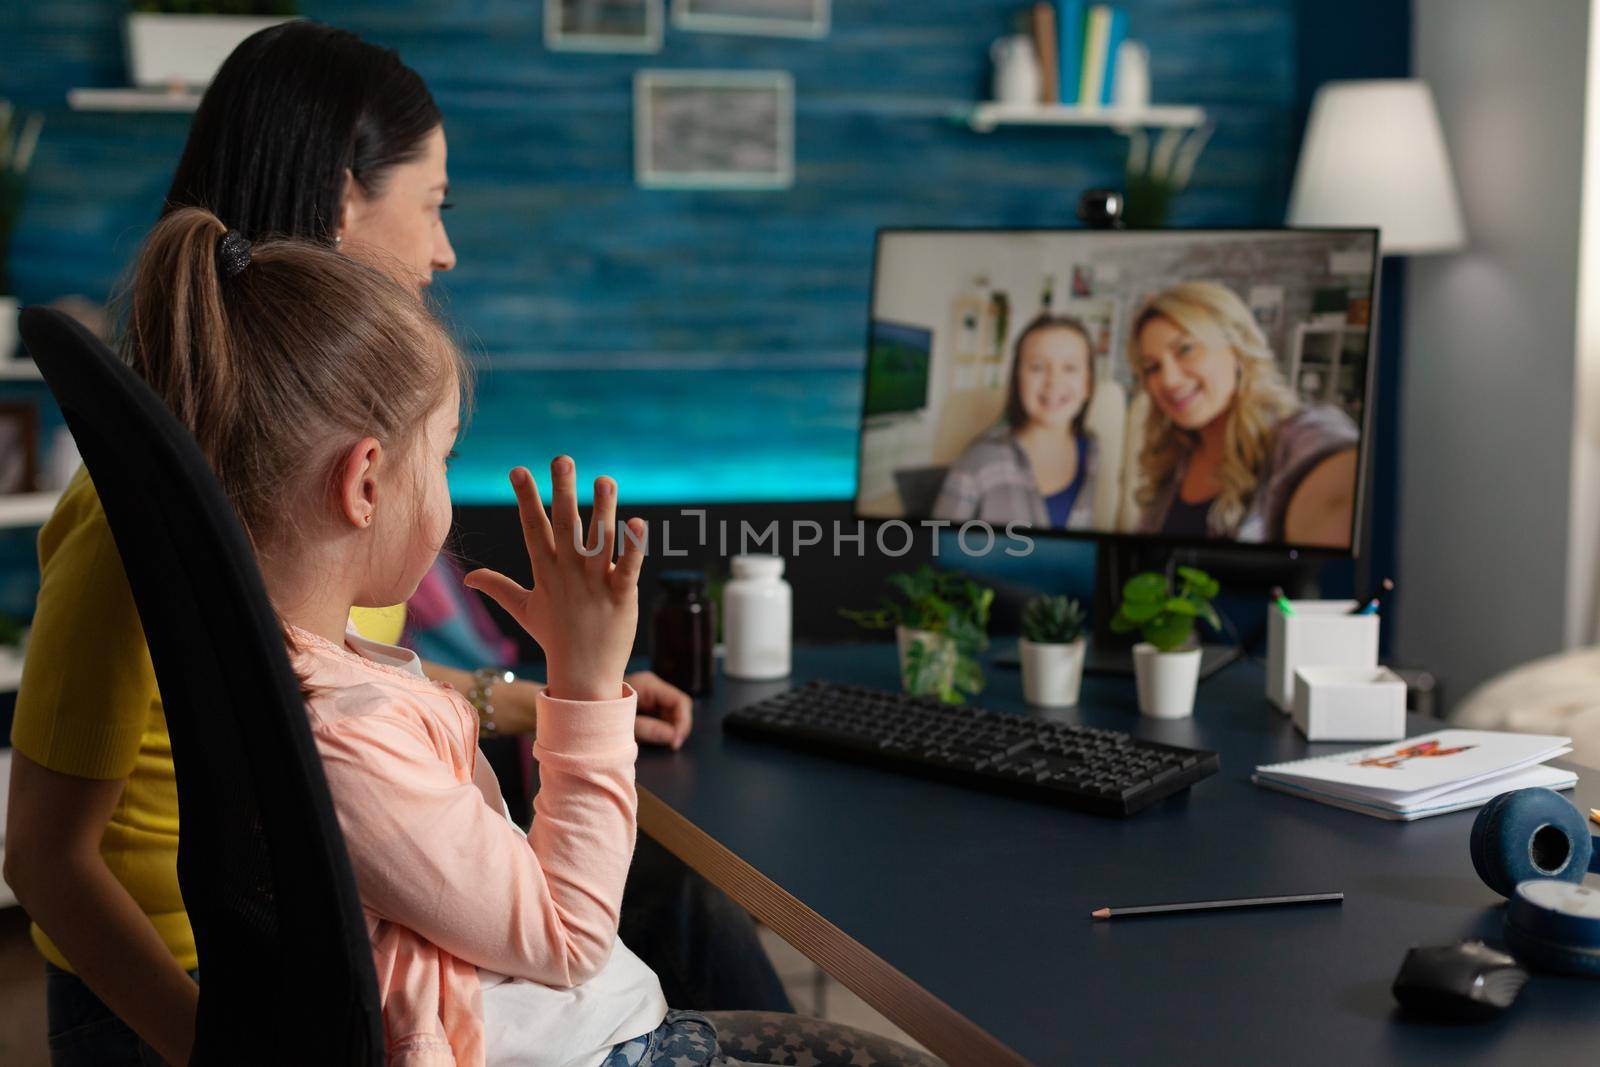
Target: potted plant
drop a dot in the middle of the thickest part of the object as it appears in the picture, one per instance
(18, 138)
(1166, 664)
(183, 42)
(941, 624)
(1154, 177)
(1052, 648)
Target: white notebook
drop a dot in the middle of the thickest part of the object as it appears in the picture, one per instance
(1456, 800)
(1443, 771)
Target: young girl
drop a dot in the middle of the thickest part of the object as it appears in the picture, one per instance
(327, 399)
(1037, 467)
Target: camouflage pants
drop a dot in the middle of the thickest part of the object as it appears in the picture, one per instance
(735, 1038)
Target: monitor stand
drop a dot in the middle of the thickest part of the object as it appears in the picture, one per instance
(1109, 658)
(1110, 652)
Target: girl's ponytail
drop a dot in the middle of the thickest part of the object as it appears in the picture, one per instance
(278, 355)
(178, 337)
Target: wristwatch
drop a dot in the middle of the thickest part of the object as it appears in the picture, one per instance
(484, 679)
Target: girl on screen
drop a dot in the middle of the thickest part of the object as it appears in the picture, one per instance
(1037, 467)
(1229, 451)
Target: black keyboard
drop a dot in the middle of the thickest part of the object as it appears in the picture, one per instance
(1105, 772)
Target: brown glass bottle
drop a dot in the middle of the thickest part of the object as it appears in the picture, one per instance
(683, 630)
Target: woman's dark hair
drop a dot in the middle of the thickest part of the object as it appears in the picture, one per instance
(292, 109)
(1016, 416)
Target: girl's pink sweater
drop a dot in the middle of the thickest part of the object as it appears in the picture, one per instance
(448, 883)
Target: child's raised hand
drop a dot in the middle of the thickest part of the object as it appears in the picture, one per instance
(583, 609)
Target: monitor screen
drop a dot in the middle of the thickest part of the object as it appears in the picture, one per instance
(897, 368)
(1189, 386)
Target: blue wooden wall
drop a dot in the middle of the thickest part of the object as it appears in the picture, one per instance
(701, 346)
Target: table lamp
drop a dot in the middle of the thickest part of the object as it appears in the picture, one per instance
(1374, 155)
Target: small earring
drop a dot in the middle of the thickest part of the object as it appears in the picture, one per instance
(338, 239)
(366, 520)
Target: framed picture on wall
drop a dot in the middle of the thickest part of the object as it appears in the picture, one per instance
(711, 129)
(774, 18)
(603, 25)
(19, 443)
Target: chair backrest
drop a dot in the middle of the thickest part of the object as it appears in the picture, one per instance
(285, 962)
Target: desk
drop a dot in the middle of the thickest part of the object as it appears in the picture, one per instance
(964, 917)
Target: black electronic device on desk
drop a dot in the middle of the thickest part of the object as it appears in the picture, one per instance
(1105, 772)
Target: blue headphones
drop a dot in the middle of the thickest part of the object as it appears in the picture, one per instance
(1534, 848)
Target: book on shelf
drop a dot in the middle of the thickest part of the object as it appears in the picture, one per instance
(1045, 44)
(1096, 34)
(1116, 33)
(1070, 15)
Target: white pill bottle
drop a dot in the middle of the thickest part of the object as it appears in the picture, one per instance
(757, 617)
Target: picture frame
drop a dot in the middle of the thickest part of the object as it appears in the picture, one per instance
(19, 447)
(631, 26)
(766, 18)
(714, 129)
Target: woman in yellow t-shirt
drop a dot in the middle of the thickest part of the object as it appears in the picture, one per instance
(310, 132)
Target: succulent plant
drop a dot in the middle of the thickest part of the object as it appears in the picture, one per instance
(1052, 620)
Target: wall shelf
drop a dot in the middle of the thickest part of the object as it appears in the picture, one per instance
(26, 509)
(18, 369)
(133, 99)
(984, 118)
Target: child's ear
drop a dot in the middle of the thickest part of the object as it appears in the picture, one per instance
(356, 484)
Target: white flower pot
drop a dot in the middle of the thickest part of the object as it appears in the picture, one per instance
(1051, 674)
(941, 645)
(8, 328)
(168, 50)
(1166, 680)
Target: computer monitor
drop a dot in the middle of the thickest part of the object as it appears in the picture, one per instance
(1154, 387)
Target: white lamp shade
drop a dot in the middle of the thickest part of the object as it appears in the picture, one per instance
(1374, 155)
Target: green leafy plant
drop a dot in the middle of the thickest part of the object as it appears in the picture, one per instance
(18, 138)
(1052, 620)
(216, 7)
(1154, 176)
(1163, 616)
(954, 609)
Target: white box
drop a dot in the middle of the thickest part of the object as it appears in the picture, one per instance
(167, 50)
(1320, 633)
(1349, 704)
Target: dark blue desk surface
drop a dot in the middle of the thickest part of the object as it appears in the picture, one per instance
(985, 900)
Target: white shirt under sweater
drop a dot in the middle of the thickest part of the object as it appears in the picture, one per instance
(526, 1024)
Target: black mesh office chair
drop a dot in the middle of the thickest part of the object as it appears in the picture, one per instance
(285, 964)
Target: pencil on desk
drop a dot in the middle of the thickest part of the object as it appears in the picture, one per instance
(1212, 905)
(1594, 813)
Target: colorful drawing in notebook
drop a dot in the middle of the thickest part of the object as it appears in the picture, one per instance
(1096, 34)
(1070, 15)
(1117, 33)
(1045, 42)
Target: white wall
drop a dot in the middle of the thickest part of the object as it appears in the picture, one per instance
(1583, 550)
(1488, 432)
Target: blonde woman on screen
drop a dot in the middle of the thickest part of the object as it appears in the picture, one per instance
(1037, 466)
(1228, 450)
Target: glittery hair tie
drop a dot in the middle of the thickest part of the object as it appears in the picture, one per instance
(233, 253)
